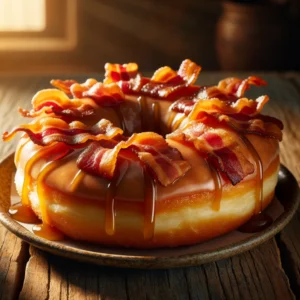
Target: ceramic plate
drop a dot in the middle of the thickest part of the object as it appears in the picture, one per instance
(281, 210)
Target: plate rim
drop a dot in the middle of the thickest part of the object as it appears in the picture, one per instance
(152, 262)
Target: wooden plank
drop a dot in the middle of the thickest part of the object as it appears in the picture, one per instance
(13, 258)
(256, 274)
(289, 239)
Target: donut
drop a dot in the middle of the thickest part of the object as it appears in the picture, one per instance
(145, 162)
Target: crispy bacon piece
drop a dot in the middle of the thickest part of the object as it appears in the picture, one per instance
(117, 72)
(105, 94)
(220, 146)
(45, 131)
(72, 87)
(238, 87)
(52, 101)
(165, 83)
(164, 161)
(187, 74)
(242, 106)
(229, 89)
(260, 125)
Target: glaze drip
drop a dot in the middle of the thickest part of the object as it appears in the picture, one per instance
(110, 199)
(218, 188)
(41, 153)
(76, 180)
(48, 232)
(171, 118)
(150, 196)
(18, 153)
(155, 113)
(41, 191)
(23, 214)
(121, 117)
(259, 176)
(142, 105)
(178, 122)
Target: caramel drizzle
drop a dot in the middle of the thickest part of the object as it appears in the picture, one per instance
(27, 172)
(42, 194)
(142, 105)
(110, 200)
(23, 214)
(178, 122)
(155, 113)
(171, 118)
(121, 117)
(18, 153)
(150, 196)
(76, 180)
(48, 232)
(218, 188)
(259, 176)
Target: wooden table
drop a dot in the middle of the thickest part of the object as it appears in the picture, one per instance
(270, 271)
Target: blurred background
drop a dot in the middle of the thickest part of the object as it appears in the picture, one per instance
(63, 36)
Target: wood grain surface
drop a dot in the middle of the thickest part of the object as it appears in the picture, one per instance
(270, 271)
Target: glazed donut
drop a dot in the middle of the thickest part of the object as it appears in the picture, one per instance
(146, 162)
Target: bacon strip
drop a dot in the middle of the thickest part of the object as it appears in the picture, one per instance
(221, 147)
(105, 94)
(260, 125)
(230, 89)
(117, 72)
(165, 83)
(52, 101)
(73, 87)
(165, 162)
(242, 106)
(45, 131)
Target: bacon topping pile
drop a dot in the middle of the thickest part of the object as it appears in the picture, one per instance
(217, 116)
(224, 103)
(221, 147)
(165, 83)
(100, 157)
(153, 151)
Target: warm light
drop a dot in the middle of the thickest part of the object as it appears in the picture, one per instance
(22, 15)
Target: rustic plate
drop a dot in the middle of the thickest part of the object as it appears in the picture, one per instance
(281, 210)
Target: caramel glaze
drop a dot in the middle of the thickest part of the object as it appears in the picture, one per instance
(45, 230)
(121, 118)
(259, 220)
(155, 114)
(178, 122)
(259, 175)
(48, 232)
(110, 212)
(76, 180)
(171, 118)
(18, 153)
(43, 152)
(150, 197)
(257, 223)
(142, 105)
(23, 214)
(218, 188)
